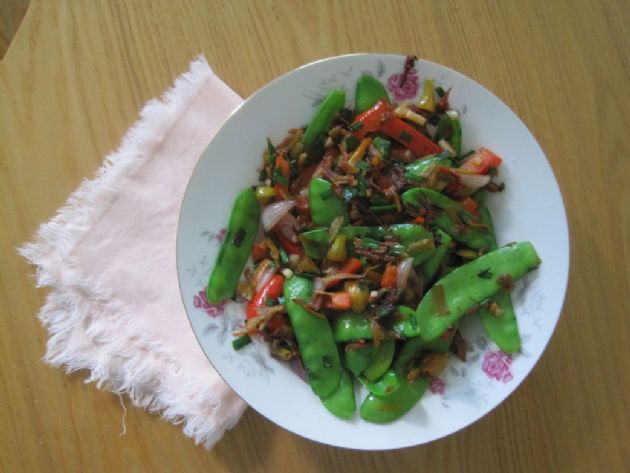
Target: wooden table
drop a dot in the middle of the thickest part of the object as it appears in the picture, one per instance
(72, 83)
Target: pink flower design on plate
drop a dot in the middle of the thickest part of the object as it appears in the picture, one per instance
(497, 365)
(408, 90)
(220, 235)
(437, 386)
(200, 301)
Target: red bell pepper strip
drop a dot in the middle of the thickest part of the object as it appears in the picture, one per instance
(480, 161)
(271, 290)
(290, 247)
(407, 135)
(372, 119)
(351, 265)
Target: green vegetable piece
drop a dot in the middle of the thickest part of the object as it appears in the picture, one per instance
(341, 402)
(386, 385)
(325, 204)
(408, 234)
(241, 341)
(382, 146)
(357, 359)
(384, 409)
(323, 118)
(418, 170)
(410, 350)
(315, 242)
(383, 356)
(350, 327)
(501, 326)
(480, 197)
(454, 220)
(314, 336)
(437, 259)
(369, 91)
(462, 289)
(236, 247)
(455, 139)
(413, 346)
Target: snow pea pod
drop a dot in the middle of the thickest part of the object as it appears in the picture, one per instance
(412, 346)
(341, 402)
(323, 118)
(410, 234)
(453, 220)
(369, 91)
(416, 171)
(315, 242)
(431, 265)
(447, 123)
(381, 361)
(358, 358)
(349, 327)
(384, 409)
(325, 205)
(236, 247)
(314, 336)
(384, 386)
(470, 284)
(501, 326)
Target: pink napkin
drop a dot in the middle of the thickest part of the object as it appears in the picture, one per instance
(108, 257)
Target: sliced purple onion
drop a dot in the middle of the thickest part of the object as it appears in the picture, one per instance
(473, 181)
(274, 212)
(265, 276)
(404, 271)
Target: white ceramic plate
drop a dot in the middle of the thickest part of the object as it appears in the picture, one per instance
(531, 208)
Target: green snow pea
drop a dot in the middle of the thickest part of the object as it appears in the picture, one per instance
(323, 118)
(472, 237)
(396, 401)
(349, 327)
(341, 402)
(408, 234)
(471, 284)
(417, 170)
(236, 247)
(315, 242)
(412, 345)
(369, 91)
(503, 327)
(384, 409)
(324, 203)
(384, 386)
(358, 358)
(480, 197)
(432, 265)
(382, 360)
(455, 139)
(315, 339)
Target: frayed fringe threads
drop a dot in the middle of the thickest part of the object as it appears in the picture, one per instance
(74, 301)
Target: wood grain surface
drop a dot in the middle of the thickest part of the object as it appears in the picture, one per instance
(73, 81)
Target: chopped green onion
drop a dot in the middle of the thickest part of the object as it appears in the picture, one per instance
(241, 341)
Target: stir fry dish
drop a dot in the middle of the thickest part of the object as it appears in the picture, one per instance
(374, 242)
